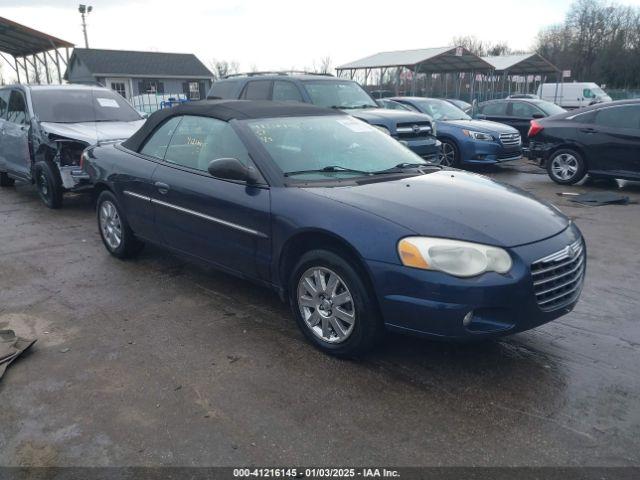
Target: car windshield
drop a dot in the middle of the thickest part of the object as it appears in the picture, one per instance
(321, 148)
(550, 108)
(338, 94)
(76, 106)
(441, 110)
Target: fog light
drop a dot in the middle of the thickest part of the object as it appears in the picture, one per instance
(466, 321)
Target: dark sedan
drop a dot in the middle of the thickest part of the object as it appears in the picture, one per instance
(356, 231)
(602, 140)
(518, 112)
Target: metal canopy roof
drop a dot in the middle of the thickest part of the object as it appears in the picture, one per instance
(19, 41)
(522, 64)
(437, 60)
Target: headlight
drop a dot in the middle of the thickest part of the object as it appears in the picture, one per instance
(486, 137)
(460, 259)
(382, 129)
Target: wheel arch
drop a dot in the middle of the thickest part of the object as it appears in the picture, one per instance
(568, 146)
(316, 239)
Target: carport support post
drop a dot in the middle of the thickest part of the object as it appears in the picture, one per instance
(17, 68)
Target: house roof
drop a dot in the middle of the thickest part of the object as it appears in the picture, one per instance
(19, 40)
(519, 64)
(441, 59)
(132, 63)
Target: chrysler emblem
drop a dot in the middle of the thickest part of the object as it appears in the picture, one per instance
(416, 128)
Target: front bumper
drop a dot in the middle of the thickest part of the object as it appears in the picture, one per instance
(435, 304)
(476, 152)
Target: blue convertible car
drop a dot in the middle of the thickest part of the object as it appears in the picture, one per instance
(465, 140)
(357, 232)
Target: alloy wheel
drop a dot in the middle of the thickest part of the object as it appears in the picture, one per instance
(43, 184)
(326, 304)
(564, 166)
(447, 155)
(110, 225)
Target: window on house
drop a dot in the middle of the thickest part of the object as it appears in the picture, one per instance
(194, 91)
(119, 88)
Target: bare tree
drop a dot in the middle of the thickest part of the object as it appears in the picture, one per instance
(323, 65)
(223, 68)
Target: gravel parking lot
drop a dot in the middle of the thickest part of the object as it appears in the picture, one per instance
(159, 362)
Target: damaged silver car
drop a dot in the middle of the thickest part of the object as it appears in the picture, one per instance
(45, 129)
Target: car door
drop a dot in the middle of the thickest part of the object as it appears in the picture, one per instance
(4, 104)
(520, 116)
(135, 181)
(15, 136)
(495, 111)
(614, 139)
(257, 90)
(224, 222)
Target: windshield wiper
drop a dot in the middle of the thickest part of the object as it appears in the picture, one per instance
(403, 166)
(329, 168)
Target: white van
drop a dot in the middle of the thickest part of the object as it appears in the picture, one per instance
(573, 95)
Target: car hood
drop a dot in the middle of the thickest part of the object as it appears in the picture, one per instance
(93, 132)
(455, 204)
(484, 126)
(384, 116)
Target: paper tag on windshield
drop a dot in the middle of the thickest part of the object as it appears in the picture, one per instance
(108, 102)
(355, 125)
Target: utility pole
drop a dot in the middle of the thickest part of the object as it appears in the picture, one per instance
(85, 10)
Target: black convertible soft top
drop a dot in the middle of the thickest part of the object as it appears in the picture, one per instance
(226, 110)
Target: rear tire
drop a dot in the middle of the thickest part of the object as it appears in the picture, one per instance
(450, 154)
(6, 180)
(566, 166)
(117, 236)
(333, 305)
(48, 184)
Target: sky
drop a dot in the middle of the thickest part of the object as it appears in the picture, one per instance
(287, 34)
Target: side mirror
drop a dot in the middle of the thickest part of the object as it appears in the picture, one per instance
(480, 116)
(537, 115)
(232, 169)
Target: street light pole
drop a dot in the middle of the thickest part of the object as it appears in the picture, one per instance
(85, 10)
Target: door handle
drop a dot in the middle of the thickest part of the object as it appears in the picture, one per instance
(589, 130)
(163, 188)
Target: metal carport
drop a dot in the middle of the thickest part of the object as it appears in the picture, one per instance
(31, 48)
(442, 60)
(526, 65)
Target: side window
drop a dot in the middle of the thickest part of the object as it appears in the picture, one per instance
(286, 92)
(4, 102)
(624, 116)
(199, 140)
(223, 89)
(257, 90)
(494, 108)
(17, 110)
(157, 143)
(587, 93)
(523, 110)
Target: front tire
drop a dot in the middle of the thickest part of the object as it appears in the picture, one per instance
(48, 184)
(6, 180)
(332, 304)
(117, 236)
(566, 167)
(450, 154)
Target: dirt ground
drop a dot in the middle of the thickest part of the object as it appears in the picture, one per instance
(158, 361)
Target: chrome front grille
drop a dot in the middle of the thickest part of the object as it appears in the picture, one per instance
(558, 278)
(510, 139)
(413, 130)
